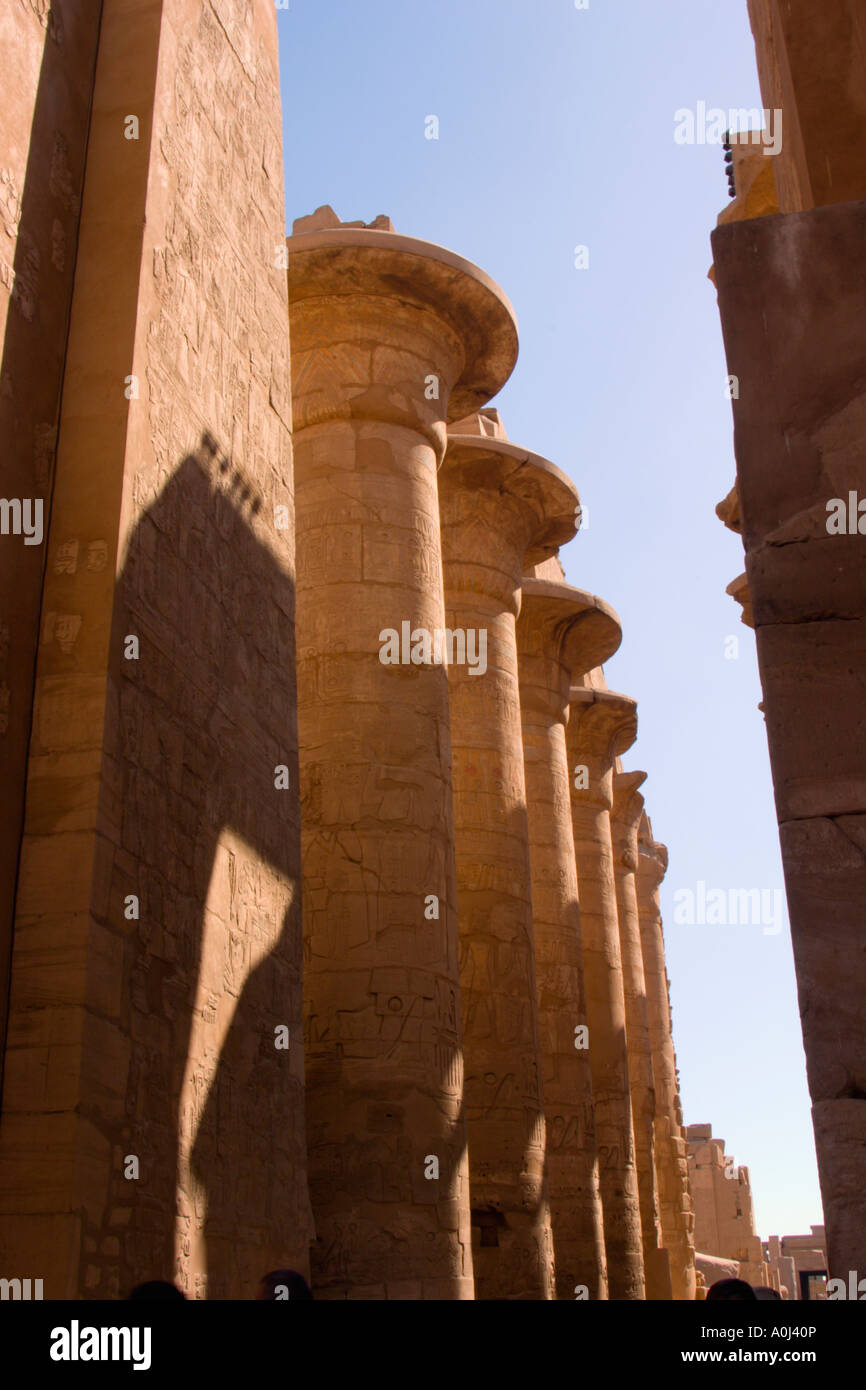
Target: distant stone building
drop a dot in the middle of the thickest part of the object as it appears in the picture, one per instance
(726, 1242)
(801, 1263)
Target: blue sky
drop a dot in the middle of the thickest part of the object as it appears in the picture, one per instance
(556, 129)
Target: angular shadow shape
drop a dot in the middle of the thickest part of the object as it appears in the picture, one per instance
(195, 728)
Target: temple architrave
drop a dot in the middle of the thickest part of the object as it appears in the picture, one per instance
(790, 269)
(329, 916)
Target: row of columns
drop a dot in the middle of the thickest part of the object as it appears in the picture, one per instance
(474, 979)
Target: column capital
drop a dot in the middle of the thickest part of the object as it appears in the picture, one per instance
(628, 803)
(652, 856)
(562, 633)
(628, 807)
(448, 320)
(502, 509)
(605, 722)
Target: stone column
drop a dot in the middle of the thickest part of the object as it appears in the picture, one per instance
(602, 725)
(391, 337)
(627, 811)
(562, 633)
(676, 1212)
(499, 506)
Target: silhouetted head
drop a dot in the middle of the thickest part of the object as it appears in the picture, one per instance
(731, 1291)
(283, 1284)
(765, 1295)
(156, 1290)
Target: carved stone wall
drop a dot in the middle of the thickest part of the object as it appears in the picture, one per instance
(156, 978)
(47, 88)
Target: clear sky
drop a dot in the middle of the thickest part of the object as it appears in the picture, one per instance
(556, 129)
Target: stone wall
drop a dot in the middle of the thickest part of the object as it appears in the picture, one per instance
(157, 947)
(47, 89)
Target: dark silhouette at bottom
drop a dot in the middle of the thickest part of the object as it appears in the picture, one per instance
(283, 1284)
(731, 1291)
(156, 1291)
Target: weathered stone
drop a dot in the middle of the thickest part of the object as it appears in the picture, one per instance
(155, 1123)
(48, 80)
(498, 505)
(562, 633)
(724, 1216)
(601, 726)
(626, 813)
(812, 66)
(791, 294)
(391, 337)
(151, 772)
(798, 1260)
(675, 1204)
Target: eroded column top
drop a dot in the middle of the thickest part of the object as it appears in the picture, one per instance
(628, 804)
(563, 633)
(606, 721)
(628, 807)
(332, 260)
(653, 856)
(502, 508)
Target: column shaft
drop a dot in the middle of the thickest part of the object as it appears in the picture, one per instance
(567, 1081)
(627, 809)
(505, 1114)
(592, 746)
(675, 1203)
(496, 503)
(562, 633)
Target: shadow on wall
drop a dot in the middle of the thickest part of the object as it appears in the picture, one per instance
(199, 832)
